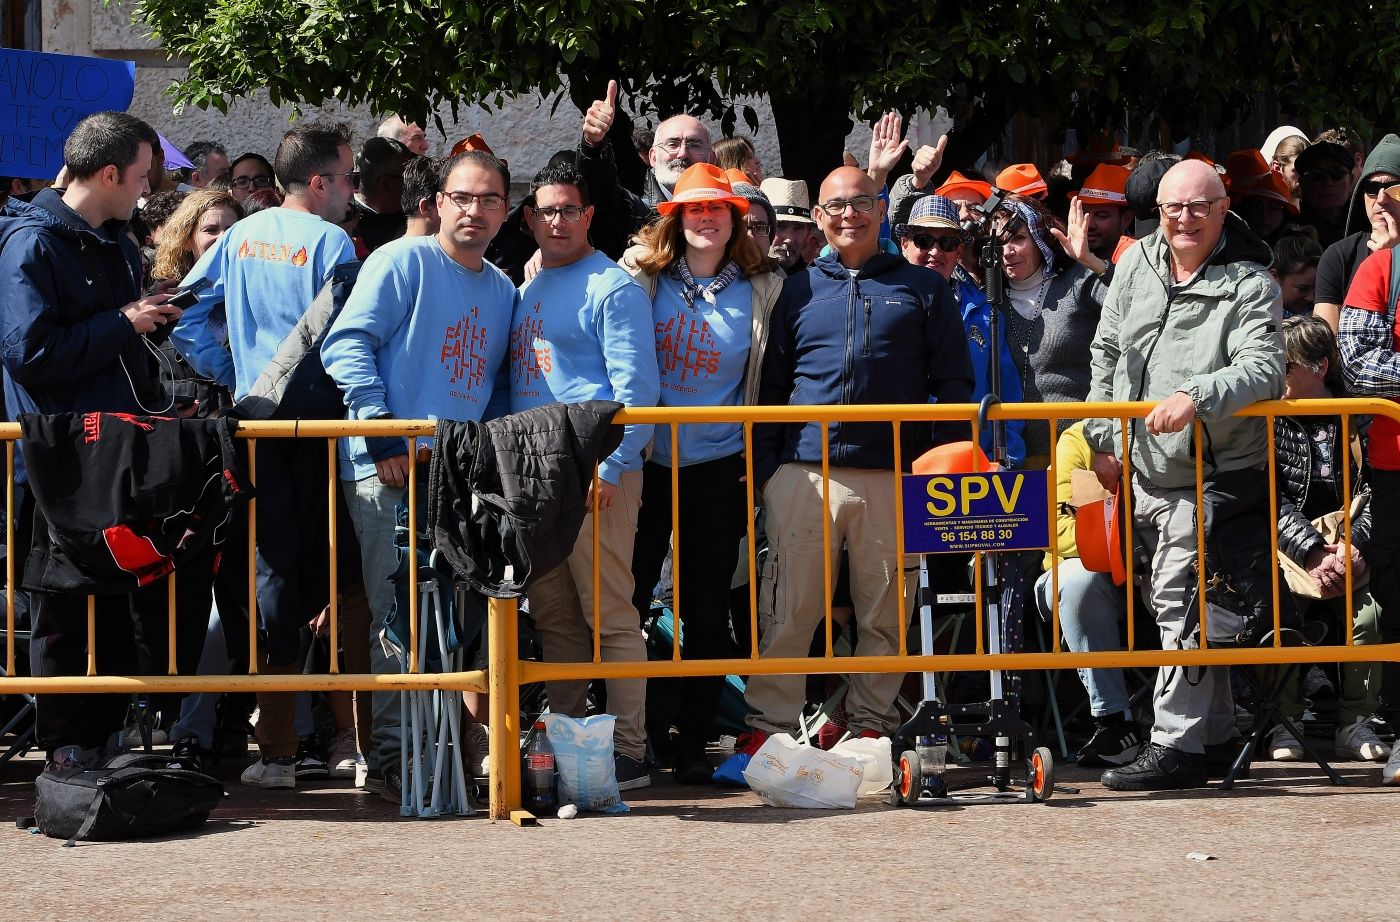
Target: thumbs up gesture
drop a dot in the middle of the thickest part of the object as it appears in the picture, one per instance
(599, 117)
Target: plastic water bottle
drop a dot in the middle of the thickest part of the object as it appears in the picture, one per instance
(539, 774)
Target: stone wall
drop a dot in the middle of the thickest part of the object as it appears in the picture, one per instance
(523, 131)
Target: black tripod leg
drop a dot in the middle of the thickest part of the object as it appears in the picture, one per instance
(1310, 751)
(1243, 761)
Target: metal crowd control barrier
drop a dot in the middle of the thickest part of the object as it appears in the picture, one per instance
(506, 672)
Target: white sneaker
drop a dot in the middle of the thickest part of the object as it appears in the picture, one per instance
(1391, 773)
(274, 774)
(1359, 743)
(341, 760)
(478, 746)
(132, 737)
(1282, 746)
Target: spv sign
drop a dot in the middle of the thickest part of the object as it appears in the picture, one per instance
(959, 513)
(42, 96)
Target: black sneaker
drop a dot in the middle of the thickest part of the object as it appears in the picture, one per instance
(309, 764)
(692, 765)
(1115, 742)
(631, 773)
(1220, 758)
(186, 754)
(392, 790)
(1159, 768)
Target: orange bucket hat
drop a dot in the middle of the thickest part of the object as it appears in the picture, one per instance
(1098, 533)
(957, 182)
(954, 458)
(1105, 186)
(703, 182)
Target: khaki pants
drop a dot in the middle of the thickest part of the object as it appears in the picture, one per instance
(791, 601)
(561, 605)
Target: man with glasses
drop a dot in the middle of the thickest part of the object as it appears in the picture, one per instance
(249, 173)
(266, 270)
(422, 336)
(583, 331)
(1325, 182)
(1373, 223)
(858, 326)
(1192, 323)
(681, 141)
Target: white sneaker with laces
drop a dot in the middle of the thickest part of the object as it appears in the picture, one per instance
(270, 774)
(1282, 746)
(1358, 742)
(1391, 773)
(341, 760)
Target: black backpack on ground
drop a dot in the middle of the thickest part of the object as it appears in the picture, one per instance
(133, 796)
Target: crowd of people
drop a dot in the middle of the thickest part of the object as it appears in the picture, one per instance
(1199, 286)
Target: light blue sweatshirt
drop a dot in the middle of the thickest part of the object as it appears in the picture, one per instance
(267, 269)
(584, 332)
(420, 337)
(702, 351)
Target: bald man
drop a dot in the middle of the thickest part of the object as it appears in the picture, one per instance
(1192, 323)
(680, 142)
(406, 133)
(858, 326)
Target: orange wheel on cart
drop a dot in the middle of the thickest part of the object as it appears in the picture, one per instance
(909, 780)
(1040, 776)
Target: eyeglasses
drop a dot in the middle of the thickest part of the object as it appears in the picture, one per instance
(352, 177)
(1374, 187)
(488, 202)
(546, 214)
(1197, 209)
(759, 228)
(675, 145)
(698, 208)
(837, 207)
(1334, 174)
(927, 242)
(257, 182)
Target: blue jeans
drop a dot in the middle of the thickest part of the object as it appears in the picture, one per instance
(1091, 608)
(373, 514)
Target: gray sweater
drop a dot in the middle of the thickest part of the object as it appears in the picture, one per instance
(1052, 351)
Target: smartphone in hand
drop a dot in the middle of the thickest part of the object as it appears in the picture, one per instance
(186, 298)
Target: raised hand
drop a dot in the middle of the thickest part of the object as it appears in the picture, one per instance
(886, 146)
(927, 160)
(599, 117)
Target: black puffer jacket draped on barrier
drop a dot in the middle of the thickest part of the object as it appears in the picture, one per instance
(511, 492)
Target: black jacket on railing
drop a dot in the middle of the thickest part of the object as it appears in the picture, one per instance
(1295, 476)
(511, 492)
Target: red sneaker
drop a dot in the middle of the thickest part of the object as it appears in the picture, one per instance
(829, 735)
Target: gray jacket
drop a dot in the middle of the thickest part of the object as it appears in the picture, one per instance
(1217, 338)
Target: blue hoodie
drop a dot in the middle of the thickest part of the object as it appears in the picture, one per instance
(976, 315)
(890, 334)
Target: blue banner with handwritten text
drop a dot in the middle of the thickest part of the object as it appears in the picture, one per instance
(42, 96)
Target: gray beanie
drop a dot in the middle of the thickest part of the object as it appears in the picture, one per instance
(756, 197)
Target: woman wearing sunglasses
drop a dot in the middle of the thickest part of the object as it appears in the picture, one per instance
(712, 294)
(933, 239)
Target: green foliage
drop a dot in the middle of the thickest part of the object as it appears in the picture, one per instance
(1196, 63)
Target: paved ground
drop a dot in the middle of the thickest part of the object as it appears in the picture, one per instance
(1285, 846)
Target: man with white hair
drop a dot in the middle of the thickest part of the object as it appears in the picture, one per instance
(406, 133)
(681, 141)
(1192, 322)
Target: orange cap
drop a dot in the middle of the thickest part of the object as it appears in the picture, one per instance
(737, 176)
(957, 182)
(1246, 167)
(1098, 533)
(475, 142)
(1105, 186)
(703, 182)
(954, 458)
(1023, 179)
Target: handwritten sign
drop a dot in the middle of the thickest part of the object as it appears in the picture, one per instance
(42, 96)
(960, 513)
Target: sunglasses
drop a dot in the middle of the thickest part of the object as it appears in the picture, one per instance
(1334, 174)
(947, 243)
(1374, 187)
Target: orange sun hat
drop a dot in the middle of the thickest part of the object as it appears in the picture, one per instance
(957, 182)
(1105, 186)
(1023, 179)
(703, 182)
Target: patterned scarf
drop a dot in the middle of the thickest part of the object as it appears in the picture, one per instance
(690, 289)
(1038, 233)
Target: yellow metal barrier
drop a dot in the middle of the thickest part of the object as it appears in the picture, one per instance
(506, 673)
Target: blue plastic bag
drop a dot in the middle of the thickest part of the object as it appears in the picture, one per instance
(731, 770)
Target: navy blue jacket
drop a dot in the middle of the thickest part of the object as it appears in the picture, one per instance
(891, 334)
(64, 342)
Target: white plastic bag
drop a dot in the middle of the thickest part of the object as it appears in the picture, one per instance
(583, 756)
(875, 759)
(785, 773)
